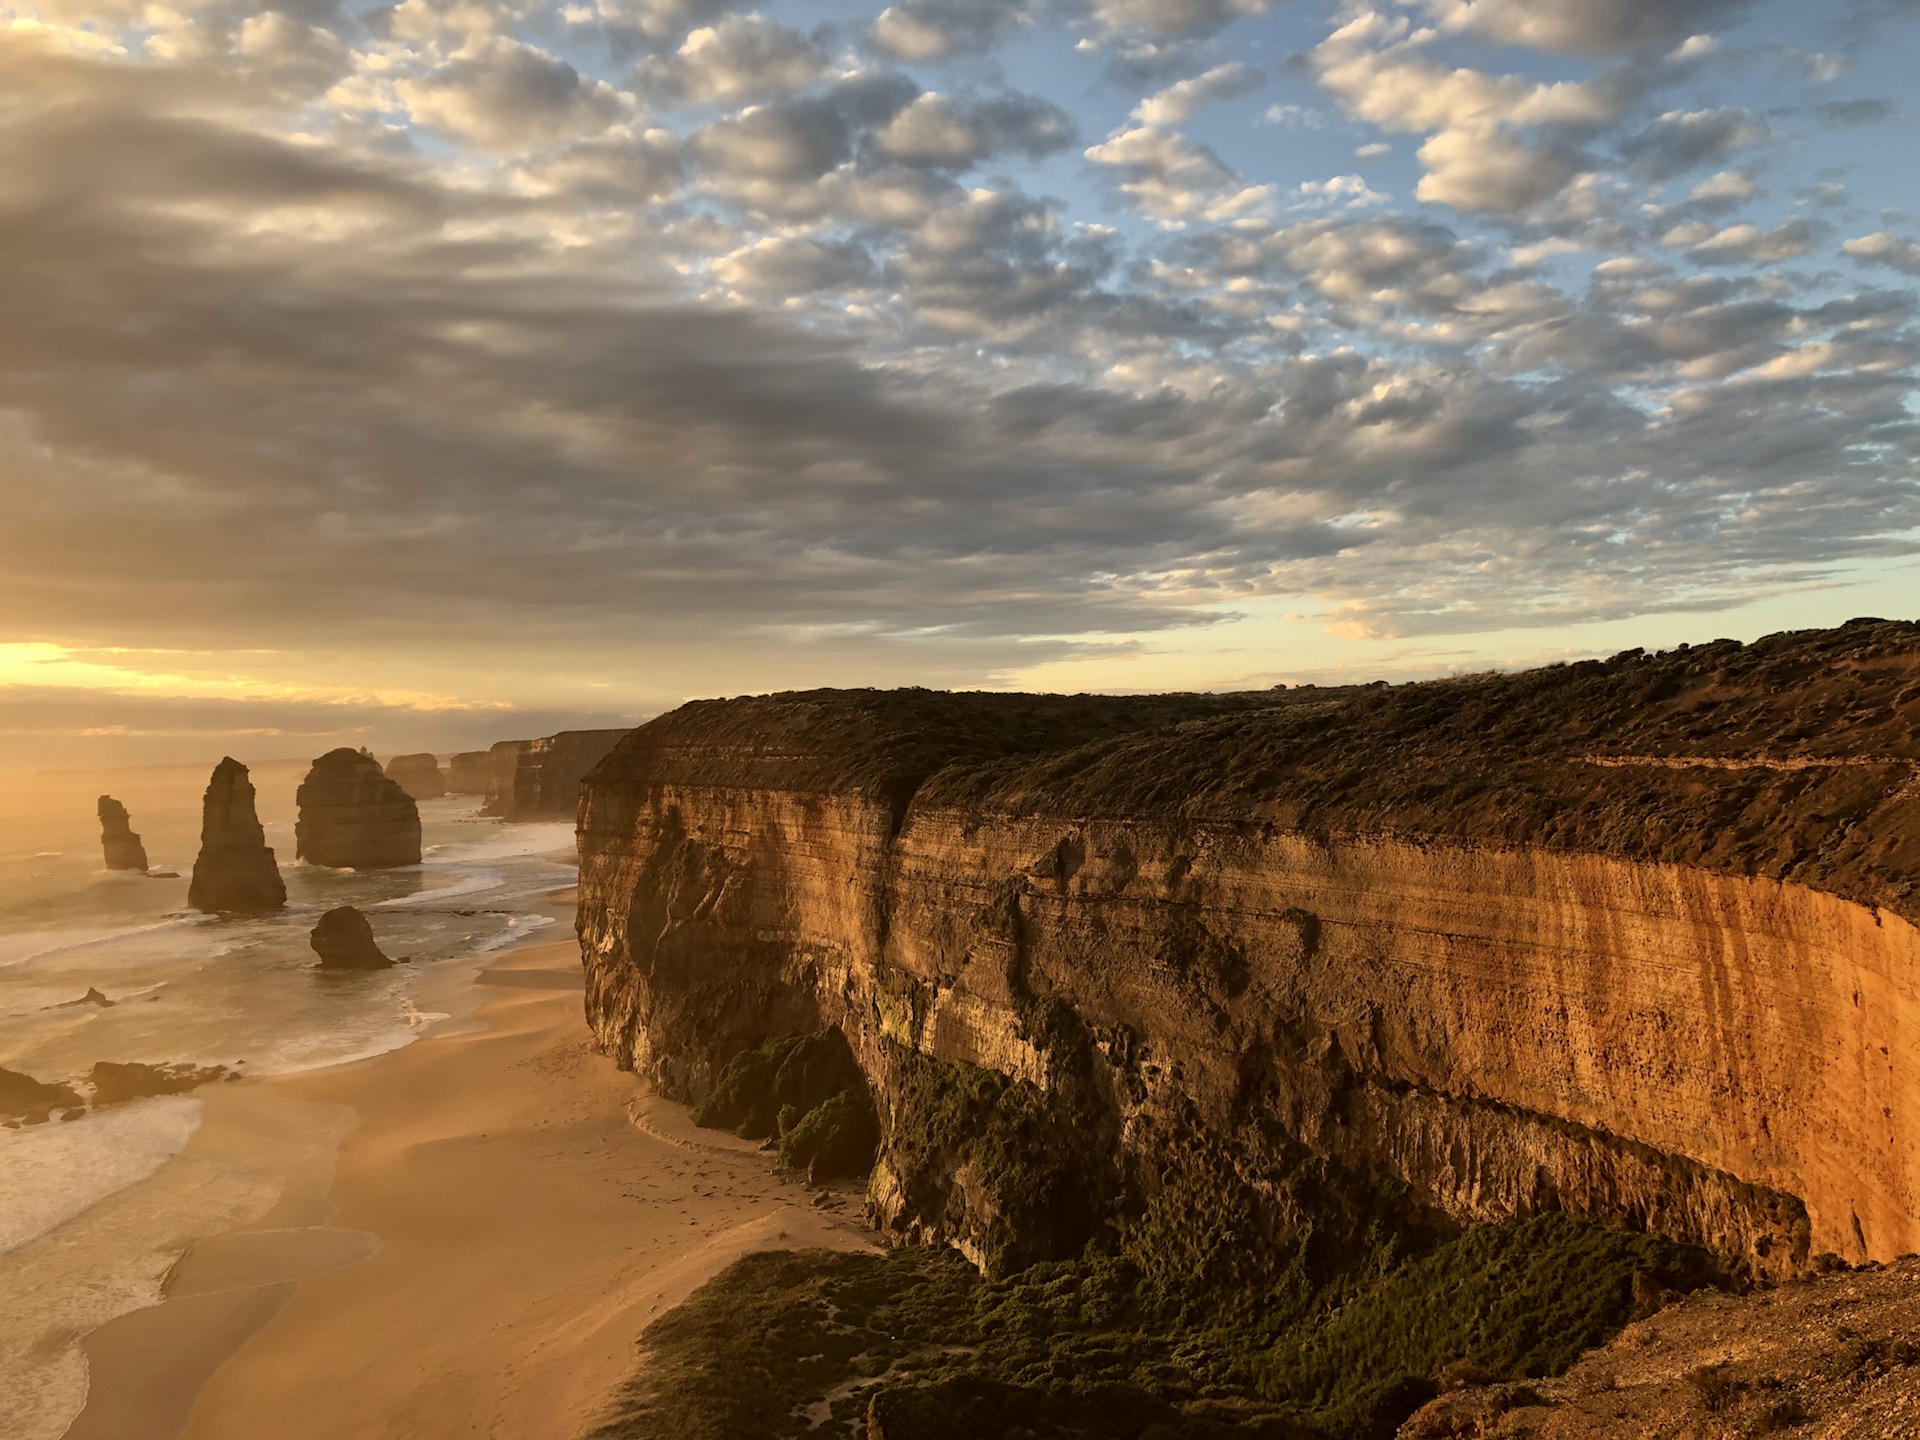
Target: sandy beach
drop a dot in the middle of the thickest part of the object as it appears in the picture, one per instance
(471, 1235)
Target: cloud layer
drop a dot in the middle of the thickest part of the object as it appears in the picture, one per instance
(577, 332)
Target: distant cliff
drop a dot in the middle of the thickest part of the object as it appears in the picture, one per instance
(1632, 939)
(540, 779)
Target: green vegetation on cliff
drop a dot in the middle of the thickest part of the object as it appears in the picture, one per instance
(807, 1092)
(916, 1344)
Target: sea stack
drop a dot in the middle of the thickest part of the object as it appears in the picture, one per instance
(235, 872)
(418, 775)
(344, 941)
(123, 848)
(353, 816)
(467, 773)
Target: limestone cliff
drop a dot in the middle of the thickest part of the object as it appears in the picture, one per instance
(545, 783)
(503, 761)
(467, 773)
(235, 871)
(353, 817)
(1631, 939)
(123, 848)
(418, 775)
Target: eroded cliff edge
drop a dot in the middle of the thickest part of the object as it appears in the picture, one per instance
(1629, 939)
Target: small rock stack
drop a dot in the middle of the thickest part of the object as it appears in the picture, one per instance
(123, 848)
(418, 775)
(235, 872)
(344, 941)
(353, 817)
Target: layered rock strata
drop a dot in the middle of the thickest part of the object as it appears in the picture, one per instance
(418, 775)
(1629, 939)
(467, 773)
(123, 848)
(503, 763)
(353, 817)
(547, 774)
(344, 941)
(235, 871)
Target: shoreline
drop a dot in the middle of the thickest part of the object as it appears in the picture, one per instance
(475, 1228)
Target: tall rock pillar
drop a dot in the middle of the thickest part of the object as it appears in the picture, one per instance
(235, 872)
(123, 848)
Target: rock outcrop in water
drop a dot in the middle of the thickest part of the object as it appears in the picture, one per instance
(344, 941)
(467, 773)
(544, 783)
(27, 1101)
(123, 848)
(418, 775)
(353, 817)
(235, 872)
(1633, 940)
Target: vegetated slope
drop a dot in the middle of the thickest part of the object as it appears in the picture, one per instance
(917, 1346)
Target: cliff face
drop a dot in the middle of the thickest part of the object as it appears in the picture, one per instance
(418, 775)
(235, 871)
(540, 779)
(467, 773)
(122, 847)
(353, 816)
(503, 761)
(1631, 940)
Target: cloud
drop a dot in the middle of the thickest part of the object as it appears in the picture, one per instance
(743, 58)
(1175, 17)
(776, 267)
(1480, 156)
(1883, 247)
(1172, 179)
(1184, 99)
(503, 95)
(1748, 244)
(782, 393)
(920, 30)
(957, 132)
(1682, 139)
(1582, 27)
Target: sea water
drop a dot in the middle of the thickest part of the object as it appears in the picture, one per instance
(94, 1209)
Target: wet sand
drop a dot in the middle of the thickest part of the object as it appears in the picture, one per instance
(504, 1214)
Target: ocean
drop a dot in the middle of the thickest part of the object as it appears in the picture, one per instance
(95, 1209)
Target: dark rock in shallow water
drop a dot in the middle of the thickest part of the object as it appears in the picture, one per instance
(344, 941)
(467, 773)
(353, 816)
(123, 848)
(27, 1101)
(116, 1084)
(418, 775)
(235, 872)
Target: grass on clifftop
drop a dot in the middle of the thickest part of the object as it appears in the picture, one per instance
(784, 1344)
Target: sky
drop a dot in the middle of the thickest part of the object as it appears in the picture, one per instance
(425, 374)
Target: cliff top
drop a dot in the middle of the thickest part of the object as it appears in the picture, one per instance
(1793, 757)
(887, 742)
